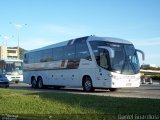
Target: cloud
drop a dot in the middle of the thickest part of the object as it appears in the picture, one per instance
(40, 36)
(18, 26)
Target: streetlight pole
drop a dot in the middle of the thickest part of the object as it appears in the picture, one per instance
(18, 57)
(18, 28)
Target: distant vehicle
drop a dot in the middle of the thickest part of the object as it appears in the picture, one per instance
(146, 75)
(4, 82)
(89, 62)
(12, 69)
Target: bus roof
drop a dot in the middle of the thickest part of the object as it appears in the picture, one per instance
(87, 38)
(109, 39)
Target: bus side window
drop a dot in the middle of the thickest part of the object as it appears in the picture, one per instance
(26, 58)
(82, 51)
(46, 55)
(57, 53)
(98, 60)
(69, 52)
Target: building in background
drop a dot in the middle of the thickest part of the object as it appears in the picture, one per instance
(9, 52)
(3, 52)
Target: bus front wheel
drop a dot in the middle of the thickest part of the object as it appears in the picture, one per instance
(112, 89)
(87, 84)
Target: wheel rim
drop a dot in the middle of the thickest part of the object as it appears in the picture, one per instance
(40, 83)
(34, 83)
(88, 85)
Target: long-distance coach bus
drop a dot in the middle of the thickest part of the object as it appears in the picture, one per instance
(89, 62)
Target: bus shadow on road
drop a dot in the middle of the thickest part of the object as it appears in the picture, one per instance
(22, 86)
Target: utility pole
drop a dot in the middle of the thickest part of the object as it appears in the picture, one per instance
(18, 28)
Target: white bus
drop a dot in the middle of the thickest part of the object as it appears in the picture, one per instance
(12, 69)
(89, 62)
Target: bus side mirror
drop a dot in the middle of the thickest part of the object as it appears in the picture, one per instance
(110, 50)
(143, 55)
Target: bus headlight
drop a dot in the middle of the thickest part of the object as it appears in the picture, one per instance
(115, 77)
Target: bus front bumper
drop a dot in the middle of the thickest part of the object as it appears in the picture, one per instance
(13, 78)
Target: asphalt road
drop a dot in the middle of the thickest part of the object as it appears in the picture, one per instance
(144, 91)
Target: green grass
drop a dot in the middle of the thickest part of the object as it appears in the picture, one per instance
(45, 105)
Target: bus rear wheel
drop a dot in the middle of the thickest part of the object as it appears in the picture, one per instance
(40, 82)
(87, 84)
(33, 83)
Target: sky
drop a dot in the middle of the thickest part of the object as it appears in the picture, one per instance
(38, 23)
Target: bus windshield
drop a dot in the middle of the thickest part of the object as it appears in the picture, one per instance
(125, 60)
(11, 67)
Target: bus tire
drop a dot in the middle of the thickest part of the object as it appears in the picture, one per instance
(87, 84)
(33, 82)
(58, 87)
(40, 82)
(112, 89)
(16, 82)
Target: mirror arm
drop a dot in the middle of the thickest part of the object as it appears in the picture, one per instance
(111, 52)
(143, 55)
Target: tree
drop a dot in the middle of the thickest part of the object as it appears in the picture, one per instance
(21, 53)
